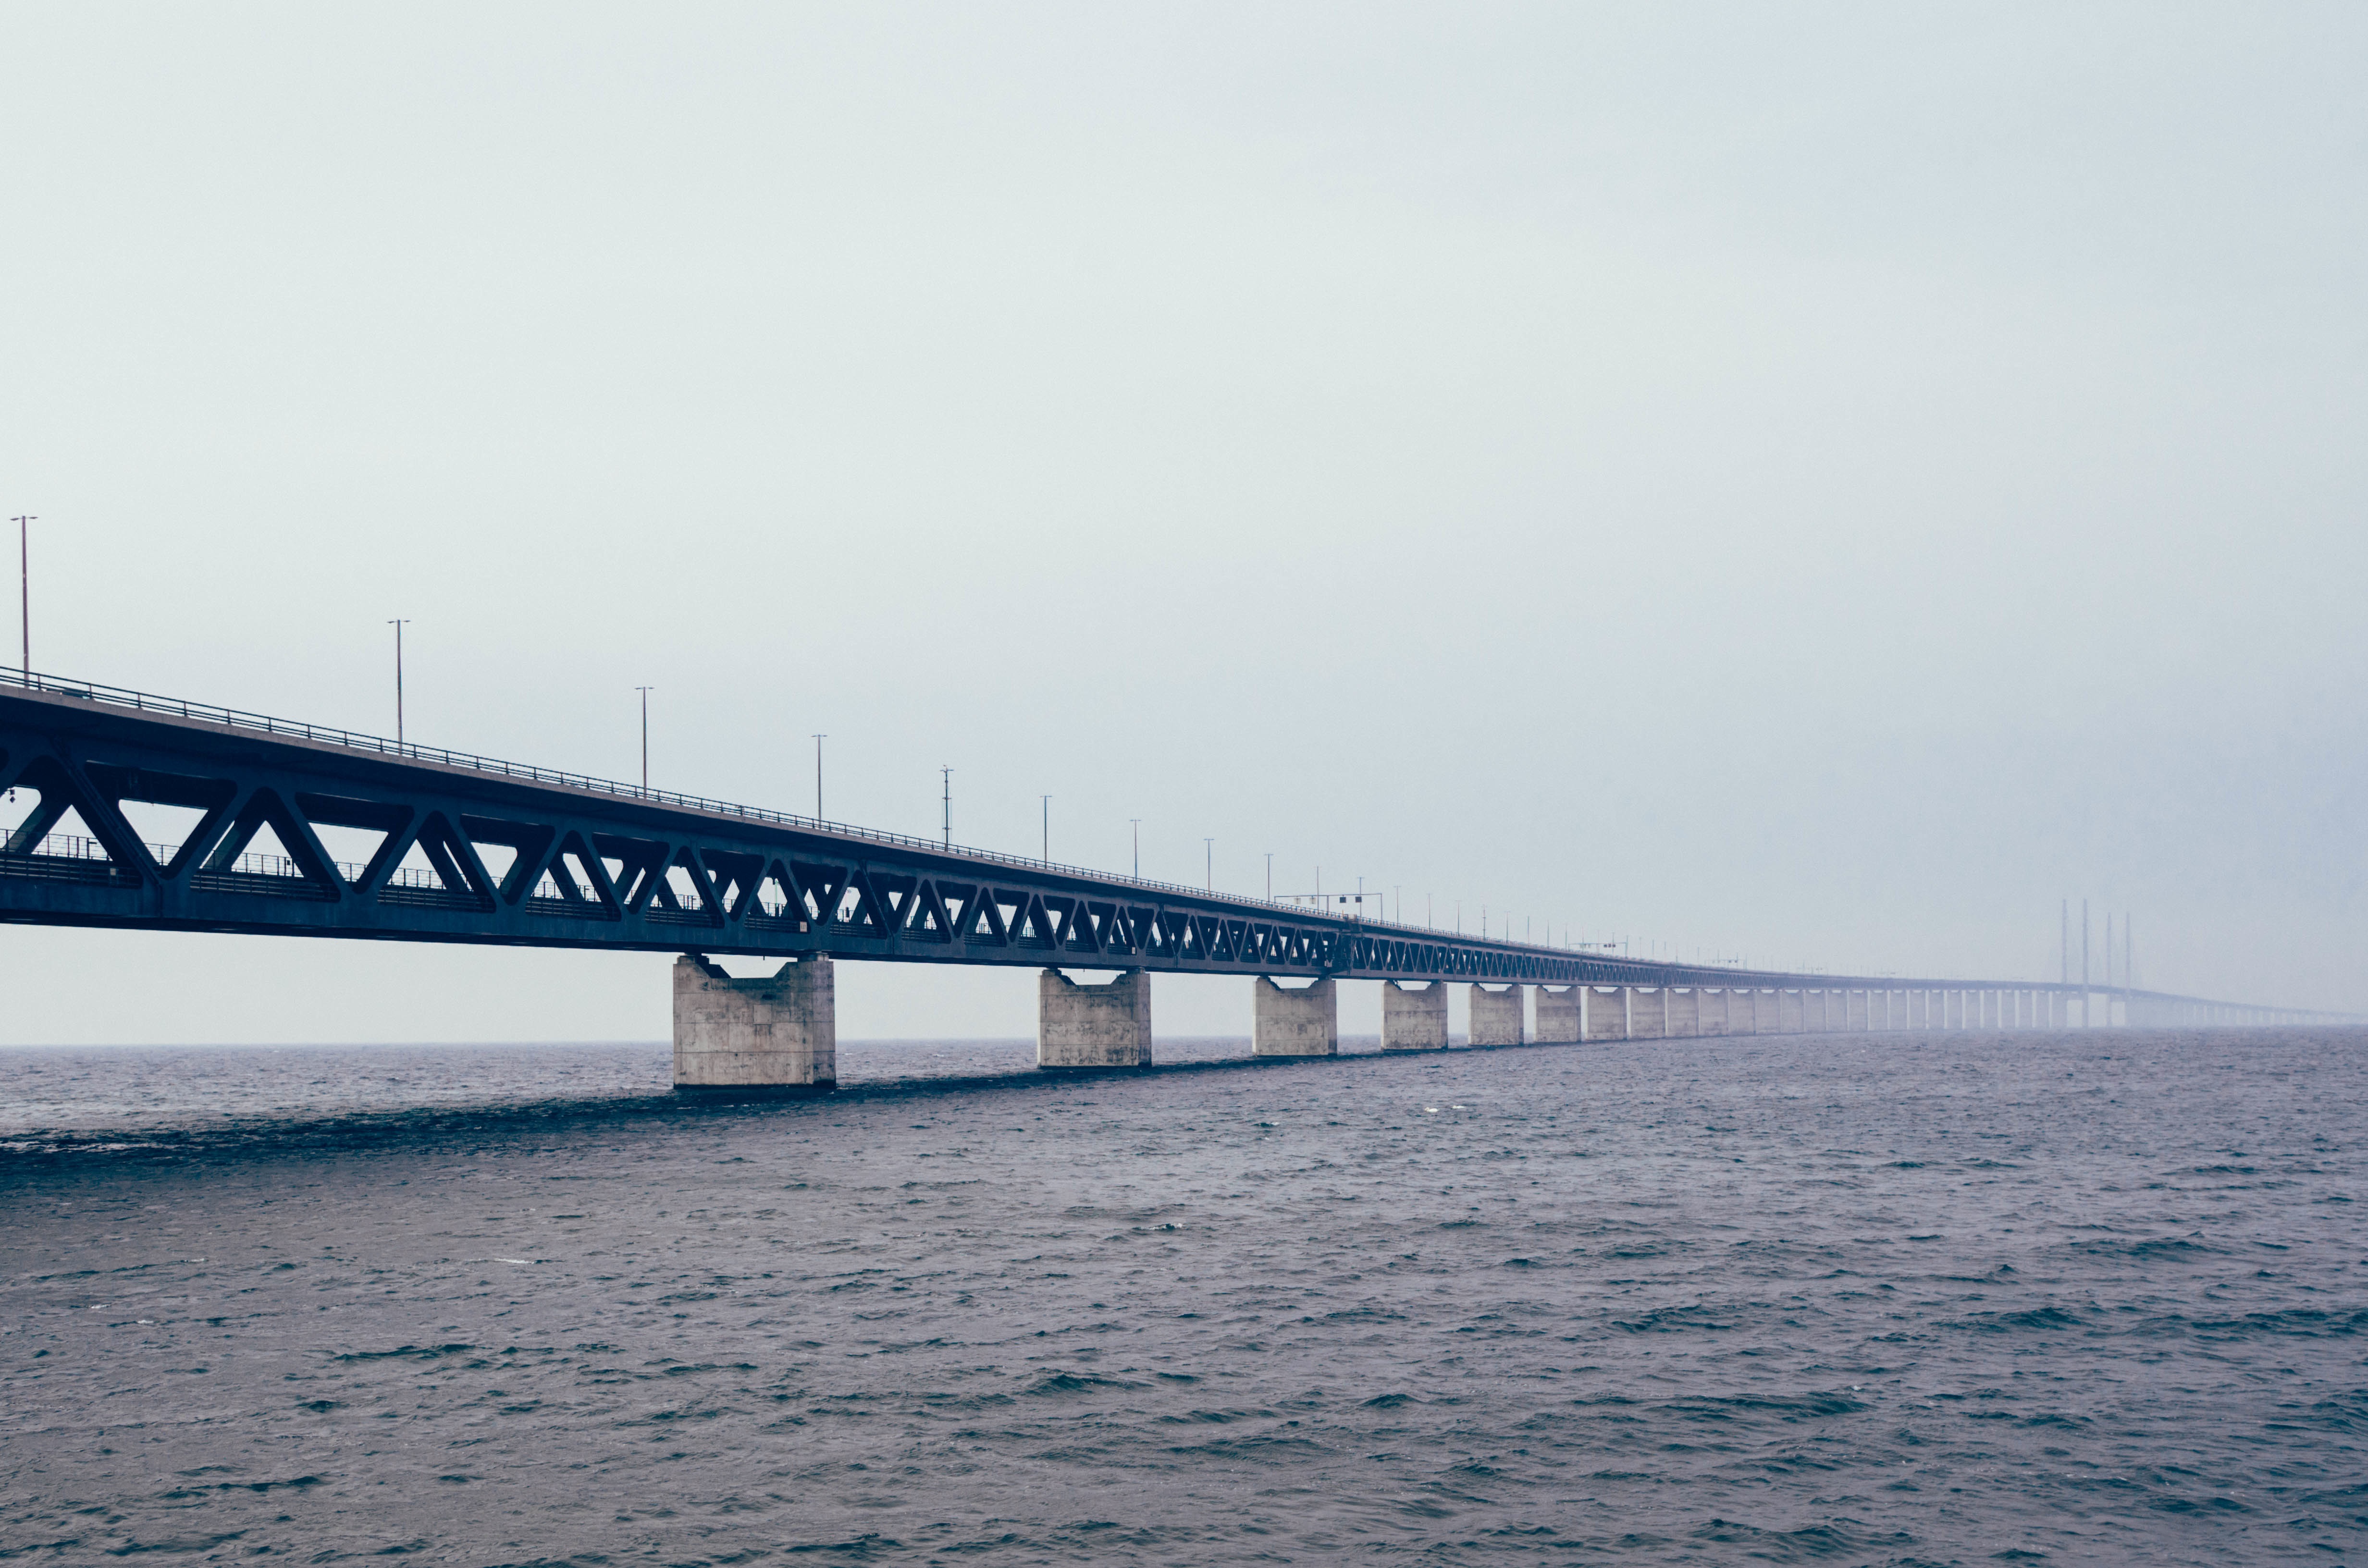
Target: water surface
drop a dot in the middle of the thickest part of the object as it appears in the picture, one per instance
(1894, 1299)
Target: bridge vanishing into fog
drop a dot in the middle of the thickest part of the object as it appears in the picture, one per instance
(150, 813)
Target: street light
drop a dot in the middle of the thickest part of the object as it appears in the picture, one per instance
(645, 691)
(1209, 882)
(949, 773)
(1048, 829)
(25, 585)
(817, 741)
(1138, 847)
(398, 625)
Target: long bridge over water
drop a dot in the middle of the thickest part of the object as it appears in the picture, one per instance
(452, 847)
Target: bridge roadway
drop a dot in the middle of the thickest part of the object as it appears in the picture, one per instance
(293, 829)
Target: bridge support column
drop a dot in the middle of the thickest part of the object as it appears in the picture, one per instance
(1295, 1023)
(1093, 1026)
(1607, 1011)
(1684, 1010)
(1717, 1009)
(1497, 1017)
(1413, 1020)
(774, 1035)
(1648, 1012)
(1558, 1020)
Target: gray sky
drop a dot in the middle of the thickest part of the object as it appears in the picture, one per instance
(1820, 484)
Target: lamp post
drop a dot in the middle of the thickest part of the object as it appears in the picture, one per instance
(24, 585)
(645, 691)
(1209, 877)
(1138, 847)
(817, 741)
(949, 773)
(1048, 828)
(398, 625)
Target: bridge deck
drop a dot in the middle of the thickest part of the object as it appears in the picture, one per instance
(466, 849)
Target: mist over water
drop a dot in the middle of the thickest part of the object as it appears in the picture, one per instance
(1892, 1298)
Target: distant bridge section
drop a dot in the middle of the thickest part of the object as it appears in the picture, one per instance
(152, 812)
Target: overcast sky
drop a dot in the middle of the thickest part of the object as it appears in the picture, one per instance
(1817, 484)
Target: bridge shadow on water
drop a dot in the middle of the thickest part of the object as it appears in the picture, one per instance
(423, 1126)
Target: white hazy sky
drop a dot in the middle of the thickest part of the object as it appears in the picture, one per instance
(1816, 483)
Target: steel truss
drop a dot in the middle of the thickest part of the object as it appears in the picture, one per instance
(468, 849)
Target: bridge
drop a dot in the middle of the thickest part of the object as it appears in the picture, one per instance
(143, 812)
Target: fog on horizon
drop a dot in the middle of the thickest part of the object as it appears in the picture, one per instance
(1821, 486)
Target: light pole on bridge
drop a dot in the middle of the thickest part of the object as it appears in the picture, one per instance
(645, 691)
(1048, 828)
(1209, 877)
(817, 741)
(25, 585)
(949, 773)
(398, 625)
(1138, 847)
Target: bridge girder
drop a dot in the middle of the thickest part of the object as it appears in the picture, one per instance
(469, 849)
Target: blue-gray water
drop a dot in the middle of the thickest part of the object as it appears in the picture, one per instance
(1856, 1299)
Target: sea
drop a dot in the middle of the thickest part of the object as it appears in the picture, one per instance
(1896, 1299)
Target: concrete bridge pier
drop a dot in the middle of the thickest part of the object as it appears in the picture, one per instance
(1607, 1011)
(1497, 1017)
(1648, 1012)
(774, 1035)
(1414, 1020)
(1558, 1020)
(1093, 1026)
(1684, 1012)
(1304, 1022)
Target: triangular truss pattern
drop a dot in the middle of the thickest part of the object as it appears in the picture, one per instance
(461, 880)
(223, 831)
(230, 866)
(779, 899)
(1037, 927)
(574, 881)
(736, 876)
(683, 894)
(73, 833)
